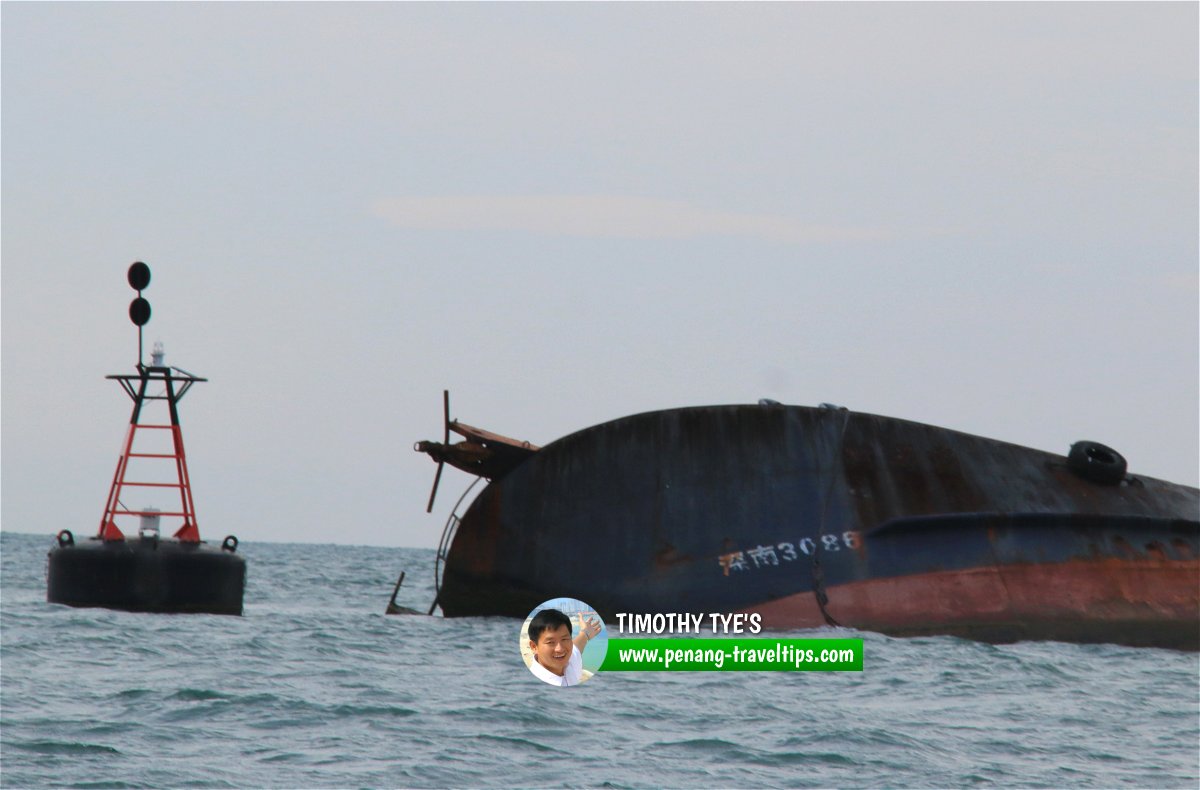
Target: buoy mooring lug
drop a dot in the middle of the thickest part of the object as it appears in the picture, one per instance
(230, 544)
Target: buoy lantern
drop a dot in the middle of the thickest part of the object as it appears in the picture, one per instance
(147, 572)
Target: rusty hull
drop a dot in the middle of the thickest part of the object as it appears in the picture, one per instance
(814, 516)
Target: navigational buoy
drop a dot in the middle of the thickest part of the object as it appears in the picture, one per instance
(148, 573)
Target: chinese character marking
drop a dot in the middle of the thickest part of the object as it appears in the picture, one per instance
(763, 555)
(733, 561)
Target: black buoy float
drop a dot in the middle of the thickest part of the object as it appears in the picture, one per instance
(146, 572)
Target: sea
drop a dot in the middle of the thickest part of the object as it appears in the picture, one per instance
(315, 687)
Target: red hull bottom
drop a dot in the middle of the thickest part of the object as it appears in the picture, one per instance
(1143, 603)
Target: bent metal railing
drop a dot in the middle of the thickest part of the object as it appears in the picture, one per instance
(443, 551)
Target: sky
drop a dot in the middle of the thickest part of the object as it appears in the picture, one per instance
(980, 216)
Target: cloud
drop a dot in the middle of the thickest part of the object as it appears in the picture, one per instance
(613, 216)
(1187, 282)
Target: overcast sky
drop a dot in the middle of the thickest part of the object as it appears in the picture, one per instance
(973, 215)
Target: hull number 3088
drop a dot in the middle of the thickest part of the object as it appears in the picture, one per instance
(765, 556)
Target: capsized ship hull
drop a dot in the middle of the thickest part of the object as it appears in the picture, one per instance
(815, 516)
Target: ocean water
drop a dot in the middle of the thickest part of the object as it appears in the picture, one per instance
(315, 687)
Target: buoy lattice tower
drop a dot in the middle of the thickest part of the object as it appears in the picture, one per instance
(175, 383)
(141, 572)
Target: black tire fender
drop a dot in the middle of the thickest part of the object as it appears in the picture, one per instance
(1096, 462)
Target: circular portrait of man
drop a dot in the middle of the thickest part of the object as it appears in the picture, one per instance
(563, 642)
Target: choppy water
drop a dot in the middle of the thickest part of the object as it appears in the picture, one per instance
(315, 687)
